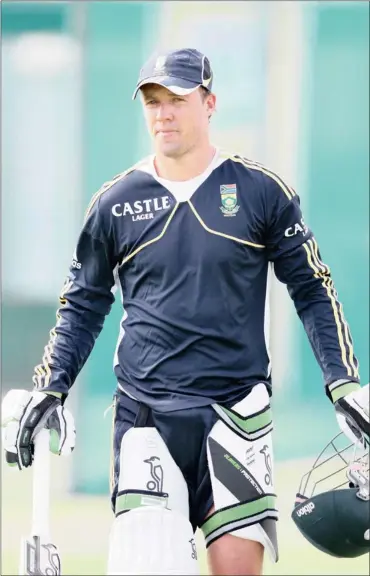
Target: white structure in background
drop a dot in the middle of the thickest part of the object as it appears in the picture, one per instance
(283, 153)
(41, 179)
(257, 52)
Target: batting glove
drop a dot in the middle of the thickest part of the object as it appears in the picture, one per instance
(23, 414)
(352, 413)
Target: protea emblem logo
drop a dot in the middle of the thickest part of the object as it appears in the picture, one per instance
(229, 199)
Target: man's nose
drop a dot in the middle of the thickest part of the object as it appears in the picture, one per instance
(164, 112)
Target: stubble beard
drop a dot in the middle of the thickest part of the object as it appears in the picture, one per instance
(174, 151)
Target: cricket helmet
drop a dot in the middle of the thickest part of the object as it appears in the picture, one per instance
(332, 507)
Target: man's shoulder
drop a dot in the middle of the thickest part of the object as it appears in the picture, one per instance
(136, 175)
(262, 175)
(247, 165)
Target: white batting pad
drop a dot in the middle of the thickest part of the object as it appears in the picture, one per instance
(242, 470)
(152, 541)
(146, 464)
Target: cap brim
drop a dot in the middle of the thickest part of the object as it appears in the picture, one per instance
(178, 86)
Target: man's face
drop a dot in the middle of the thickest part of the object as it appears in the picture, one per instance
(177, 124)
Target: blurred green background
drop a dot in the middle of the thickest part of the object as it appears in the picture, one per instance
(292, 80)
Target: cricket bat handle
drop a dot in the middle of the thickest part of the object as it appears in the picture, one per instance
(41, 485)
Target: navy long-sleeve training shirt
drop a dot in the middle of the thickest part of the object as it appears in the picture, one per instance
(191, 262)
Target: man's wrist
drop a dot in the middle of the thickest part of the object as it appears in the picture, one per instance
(59, 395)
(340, 388)
(52, 393)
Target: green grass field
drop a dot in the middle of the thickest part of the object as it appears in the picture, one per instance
(80, 526)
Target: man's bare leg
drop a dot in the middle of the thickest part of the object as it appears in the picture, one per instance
(230, 555)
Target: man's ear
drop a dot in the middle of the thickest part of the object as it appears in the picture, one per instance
(211, 105)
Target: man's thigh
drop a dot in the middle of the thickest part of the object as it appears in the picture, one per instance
(224, 459)
(240, 459)
(151, 532)
(185, 433)
(125, 414)
(142, 460)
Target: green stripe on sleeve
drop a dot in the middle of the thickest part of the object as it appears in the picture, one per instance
(343, 389)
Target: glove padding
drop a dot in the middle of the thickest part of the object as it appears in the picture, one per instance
(352, 413)
(23, 415)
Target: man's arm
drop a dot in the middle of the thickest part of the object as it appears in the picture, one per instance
(85, 300)
(297, 263)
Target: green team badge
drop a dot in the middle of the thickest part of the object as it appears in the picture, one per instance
(229, 199)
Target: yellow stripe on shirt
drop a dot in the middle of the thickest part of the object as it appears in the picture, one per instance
(348, 339)
(107, 185)
(288, 191)
(42, 376)
(328, 285)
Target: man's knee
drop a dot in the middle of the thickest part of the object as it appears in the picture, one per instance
(234, 556)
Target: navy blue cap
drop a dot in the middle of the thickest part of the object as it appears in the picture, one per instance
(180, 71)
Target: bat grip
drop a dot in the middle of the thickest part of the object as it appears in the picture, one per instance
(41, 484)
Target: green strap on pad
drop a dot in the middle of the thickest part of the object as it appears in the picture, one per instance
(239, 515)
(130, 499)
